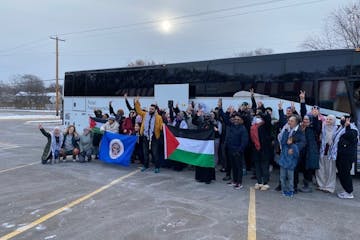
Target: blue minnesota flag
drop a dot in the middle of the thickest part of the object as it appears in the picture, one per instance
(117, 148)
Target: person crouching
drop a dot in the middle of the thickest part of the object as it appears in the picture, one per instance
(85, 145)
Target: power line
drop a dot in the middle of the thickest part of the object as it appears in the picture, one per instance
(210, 18)
(171, 19)
(144, 23)
(182, 17)
(23, 45)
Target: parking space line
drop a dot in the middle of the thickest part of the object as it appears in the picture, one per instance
(64, 208)
(6, 146)
(252, 216)
(14, 168)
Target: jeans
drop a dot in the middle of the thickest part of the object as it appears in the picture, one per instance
(84, 154)
(56, 154)
(287, 179)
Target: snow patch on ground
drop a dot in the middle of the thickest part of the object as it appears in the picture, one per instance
(29, 117)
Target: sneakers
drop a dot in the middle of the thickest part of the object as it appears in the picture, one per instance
(264, 187)
(289, 194)
(156, 170)
(305, 189)
(345, 195)
(238, 186)
(231, 184)
(226, 178)
(258, 186)
(143, 169)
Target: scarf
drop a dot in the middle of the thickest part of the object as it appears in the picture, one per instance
(334, 146)
(288, 129)
(149, 125)
(56, 146)
(328, 133)
(254, 134)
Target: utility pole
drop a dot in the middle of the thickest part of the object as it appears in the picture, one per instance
(57, 72)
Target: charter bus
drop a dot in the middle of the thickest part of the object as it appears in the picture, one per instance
(331, 79)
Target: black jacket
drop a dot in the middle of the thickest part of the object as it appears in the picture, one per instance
(347, 146)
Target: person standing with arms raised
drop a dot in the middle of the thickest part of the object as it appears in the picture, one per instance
(151, 128)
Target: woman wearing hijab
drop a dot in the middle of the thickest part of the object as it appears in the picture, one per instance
(346, 142)
(326, 174)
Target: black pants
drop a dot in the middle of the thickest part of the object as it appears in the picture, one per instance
(236, 159)
(261, 166)
(343, 166)
(139, 151)
(228, 167)
(152, 149)
(307, 173)
(248, 157)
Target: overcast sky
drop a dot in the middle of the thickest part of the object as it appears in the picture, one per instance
(112, 33)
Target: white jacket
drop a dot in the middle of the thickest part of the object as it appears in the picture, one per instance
(114, 128)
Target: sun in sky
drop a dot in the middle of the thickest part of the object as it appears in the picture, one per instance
(166, 26)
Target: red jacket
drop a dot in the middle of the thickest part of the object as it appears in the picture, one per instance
(127, 126)
(254, 135)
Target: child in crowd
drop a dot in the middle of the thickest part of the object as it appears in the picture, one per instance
(288, 161)
(85, 145)
(138, 152)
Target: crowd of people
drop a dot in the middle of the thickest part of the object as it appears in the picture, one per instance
(248, 139)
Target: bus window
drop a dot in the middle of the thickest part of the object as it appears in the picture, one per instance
(356, 98)
(79, 85)
(274, 89)
(261, 88)
(333, 95)
(68, 85)
(308, 87)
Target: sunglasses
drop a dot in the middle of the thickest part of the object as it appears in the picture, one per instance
(315, 107)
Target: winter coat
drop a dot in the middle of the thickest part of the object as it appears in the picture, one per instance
(85, 142)
(158, 121)
(237, 138)
(265, 136)
(50, 146)
(114, 127)
(347, 146)
(128, 126)
(47, 149)
(311, 150)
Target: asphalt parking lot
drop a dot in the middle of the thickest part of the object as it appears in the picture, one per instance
(73, 200)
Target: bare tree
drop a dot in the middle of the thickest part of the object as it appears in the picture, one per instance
(256, 52)
(140, 62)
(29, 83)
(52, 88)
(341, 30)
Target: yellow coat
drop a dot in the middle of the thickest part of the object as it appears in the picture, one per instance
(158, 121)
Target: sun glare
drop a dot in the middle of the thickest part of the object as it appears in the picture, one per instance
(166, 26)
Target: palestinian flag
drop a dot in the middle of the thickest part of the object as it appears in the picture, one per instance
(195, 147)
(96, 123)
